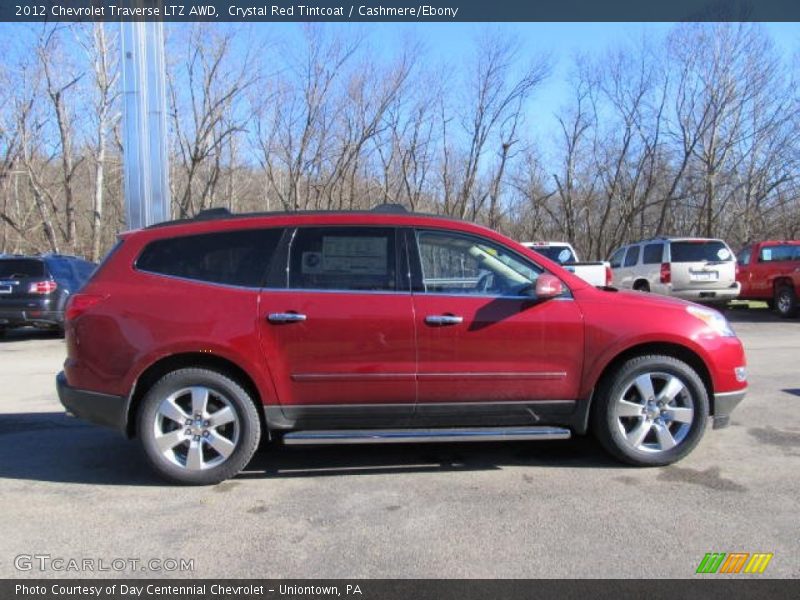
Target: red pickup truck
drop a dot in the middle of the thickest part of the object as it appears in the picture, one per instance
(770, 271)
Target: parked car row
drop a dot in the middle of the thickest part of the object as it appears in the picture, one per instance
(697, 269)
(34, 289)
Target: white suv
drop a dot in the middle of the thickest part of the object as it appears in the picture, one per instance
(699, 269)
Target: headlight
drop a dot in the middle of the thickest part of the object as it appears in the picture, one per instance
(713, 319)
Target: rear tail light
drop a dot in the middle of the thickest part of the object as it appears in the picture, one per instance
(609, 276)
(43, 287)
(666, 273)
(80, 303)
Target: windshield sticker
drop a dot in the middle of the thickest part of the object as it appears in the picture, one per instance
(564, 255)
(723, 254)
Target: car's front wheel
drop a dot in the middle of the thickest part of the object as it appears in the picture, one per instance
(651, 411)
(198, 427)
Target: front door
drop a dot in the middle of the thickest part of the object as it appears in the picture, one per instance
(483, 338)
(339, 338)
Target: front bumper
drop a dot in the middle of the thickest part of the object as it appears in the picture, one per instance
(102, 409)
(723, 407)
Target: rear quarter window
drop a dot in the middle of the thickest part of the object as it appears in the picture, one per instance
(232, 257)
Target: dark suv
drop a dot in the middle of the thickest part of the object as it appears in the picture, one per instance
(35, 289)
(201, 337)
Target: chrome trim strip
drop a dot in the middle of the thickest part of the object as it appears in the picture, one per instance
(497, 375)
(300, 377)
(394, 436)
(352, 377)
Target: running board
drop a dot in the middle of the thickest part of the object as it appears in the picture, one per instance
(397, 436)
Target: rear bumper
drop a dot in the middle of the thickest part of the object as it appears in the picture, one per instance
(102, 409)
(29, 315)
(723, 407)
(708, 295)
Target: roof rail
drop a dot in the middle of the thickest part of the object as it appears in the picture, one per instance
(389, 208)
(219, 212)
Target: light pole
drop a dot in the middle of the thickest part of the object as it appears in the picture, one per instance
(146, 166)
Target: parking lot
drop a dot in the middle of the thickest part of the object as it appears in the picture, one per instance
(547, 509)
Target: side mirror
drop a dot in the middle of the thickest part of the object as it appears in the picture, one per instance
(548, 286)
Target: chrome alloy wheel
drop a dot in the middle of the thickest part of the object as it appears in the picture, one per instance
(196, 428)
(655, 412)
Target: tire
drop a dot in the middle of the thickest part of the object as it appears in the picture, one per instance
(642, 286)
(770, 304)
(651, 434)
(2, 332)
(175, 424)
(785, 301)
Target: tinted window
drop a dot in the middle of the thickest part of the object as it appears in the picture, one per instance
(616, 258)
(343, 258)
(233, 258)
(461, 264)
(778, 253)
(653, 254)
(17, 268)
(700, 251)
(744, 256)
(60, 269)
(632, 257)
(560, 254)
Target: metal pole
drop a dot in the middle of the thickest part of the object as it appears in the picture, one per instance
(145, 162)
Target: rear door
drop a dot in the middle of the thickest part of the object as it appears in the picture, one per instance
(701, 264)
(339, 335)
(485, 344)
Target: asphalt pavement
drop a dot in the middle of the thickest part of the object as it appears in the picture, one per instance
(73, 491)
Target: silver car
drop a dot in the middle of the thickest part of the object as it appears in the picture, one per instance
(698, 269)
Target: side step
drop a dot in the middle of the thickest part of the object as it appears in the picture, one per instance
(397, 436)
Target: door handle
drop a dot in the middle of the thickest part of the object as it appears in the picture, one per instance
(287, 317)
(443, 319)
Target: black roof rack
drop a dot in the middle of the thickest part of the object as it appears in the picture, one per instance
(393, 208)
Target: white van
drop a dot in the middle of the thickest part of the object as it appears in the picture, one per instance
(698, 269)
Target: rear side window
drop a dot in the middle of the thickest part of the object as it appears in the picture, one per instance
(779, 253)
(343, 258)
(560, 254)
(19, 268)
(231, 258)
(632, 257)
(653, 254)
(700, 251)
(60, 269)
(616, 258)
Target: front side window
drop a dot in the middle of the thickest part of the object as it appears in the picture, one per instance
(461, 264)
(233, 257)
(744, 256)
(632, 257)
(344, 258)
(616, 258)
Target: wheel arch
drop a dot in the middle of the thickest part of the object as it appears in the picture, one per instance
(173, 362)
(640, 282)
(682, 353)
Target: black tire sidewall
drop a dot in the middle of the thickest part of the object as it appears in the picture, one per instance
(249, 423)
(785, 289)
(604, 422)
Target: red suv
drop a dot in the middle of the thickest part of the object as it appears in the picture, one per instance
(201, 337)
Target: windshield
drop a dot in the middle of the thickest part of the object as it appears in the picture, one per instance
(700, 251)
(559, 254)
(17, 268)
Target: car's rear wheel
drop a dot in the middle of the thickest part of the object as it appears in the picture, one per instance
(651, 411)
(642, 286)
(785, 301)
(198, 427)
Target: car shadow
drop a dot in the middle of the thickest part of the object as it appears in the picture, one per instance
(29, 333)
(743, 314)
(53, 447)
